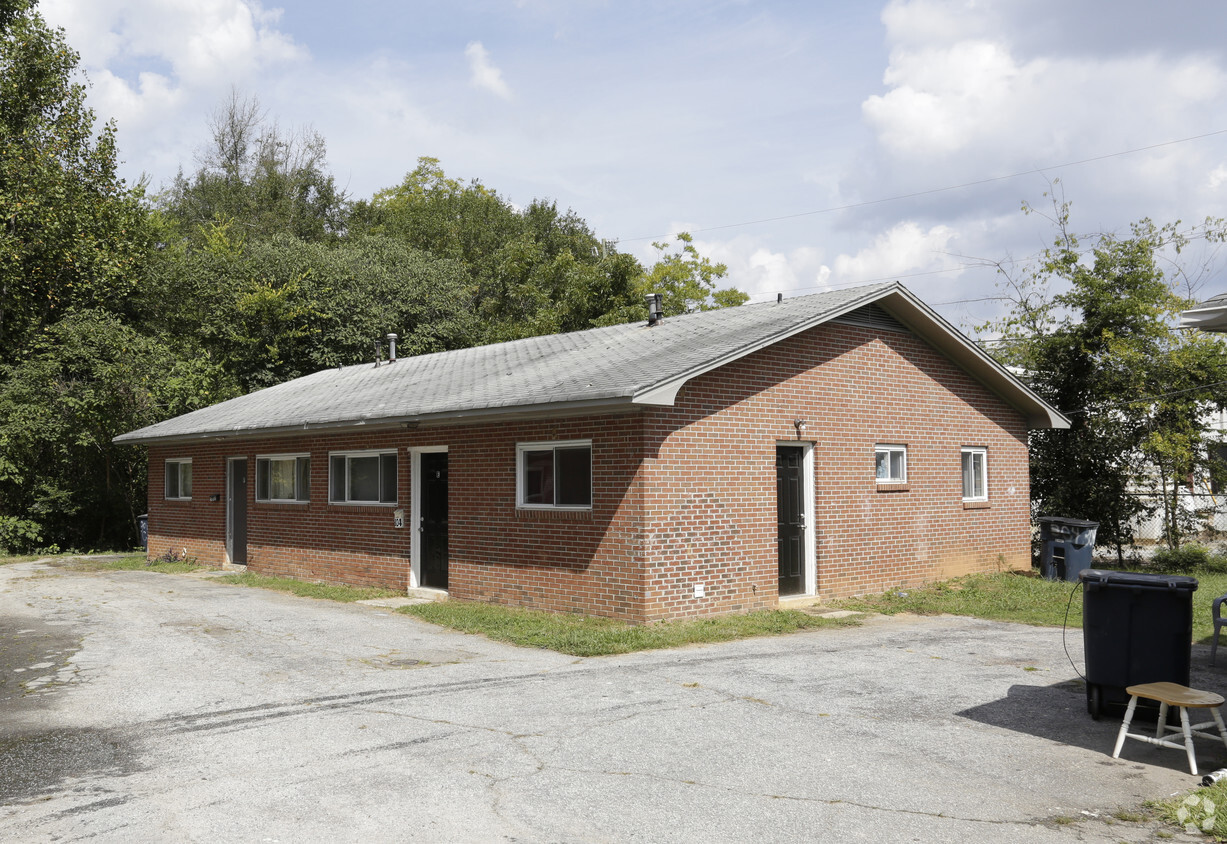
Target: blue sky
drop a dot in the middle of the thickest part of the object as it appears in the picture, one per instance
(648, 118)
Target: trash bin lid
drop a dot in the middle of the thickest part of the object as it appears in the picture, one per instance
(1077, 524)
(1137, 578)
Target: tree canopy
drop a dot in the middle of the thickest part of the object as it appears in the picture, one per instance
(72, 233)
(1105, 350)
(257, 180)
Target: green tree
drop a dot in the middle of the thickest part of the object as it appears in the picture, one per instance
(1105, 352)
(83, 381)
(280, 308)
(535, 270)
(688, 279)
(71, 232)
(258, 180)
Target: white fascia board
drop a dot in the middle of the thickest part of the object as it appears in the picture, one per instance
(1213, 318)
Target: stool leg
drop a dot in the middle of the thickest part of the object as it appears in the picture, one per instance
(1124, 726)
(1218, 719)
(1161, 725)
(1188, 740)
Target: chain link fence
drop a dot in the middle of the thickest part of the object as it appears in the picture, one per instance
(1207, 514)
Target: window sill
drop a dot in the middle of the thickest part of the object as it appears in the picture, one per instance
(355, 505)
(894, 487)
(976, 505)
(554, 512)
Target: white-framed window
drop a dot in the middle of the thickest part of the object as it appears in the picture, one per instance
(283, 477)
(890, 464)
(555, 475)
(975, 474)
(179, 479)
(362, 477)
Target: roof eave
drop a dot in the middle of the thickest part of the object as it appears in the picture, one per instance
(1213, 318)
(931, 327)
(922, 320)
(664, 393)
(389, 423)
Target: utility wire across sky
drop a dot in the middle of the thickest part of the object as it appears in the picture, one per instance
(866, 203)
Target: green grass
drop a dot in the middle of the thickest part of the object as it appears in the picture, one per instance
(137, 562)
(587, 636)
(7, 560)
(1209, 818)
(1019, 598)
(305, 589)
(1001, 597)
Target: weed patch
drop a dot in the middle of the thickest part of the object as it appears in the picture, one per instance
(1203, 810)
(305, 589)
(166, 564)
(8, 560)
(1019, 598)
(579, 635)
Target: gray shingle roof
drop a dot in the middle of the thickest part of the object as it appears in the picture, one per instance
(601, 367)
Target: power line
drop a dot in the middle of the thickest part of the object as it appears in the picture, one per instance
(931, 191)
(1191, 234)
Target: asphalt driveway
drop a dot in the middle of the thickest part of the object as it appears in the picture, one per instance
(145, 707)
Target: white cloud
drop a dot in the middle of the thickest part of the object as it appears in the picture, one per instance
(903, 249)
(763, 272)
(959, 88)
(483, 74)
(189, 52)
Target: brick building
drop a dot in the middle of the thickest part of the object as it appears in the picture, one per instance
(832, 444)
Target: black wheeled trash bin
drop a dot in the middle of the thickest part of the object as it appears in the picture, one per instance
(1136, 628)
(142, 524)
(1066, 547)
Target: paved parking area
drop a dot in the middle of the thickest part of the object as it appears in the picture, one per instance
(145, 707)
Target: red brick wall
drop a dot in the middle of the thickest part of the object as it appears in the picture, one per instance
(711, 515)
(561, 560)
(682, 495)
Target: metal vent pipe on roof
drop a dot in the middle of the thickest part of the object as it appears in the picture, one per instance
(391, 348)
(656, 307)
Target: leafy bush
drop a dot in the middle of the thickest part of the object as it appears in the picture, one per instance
(18, 535)
(1189, 558)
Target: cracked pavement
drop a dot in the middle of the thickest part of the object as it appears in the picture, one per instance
(144, 707)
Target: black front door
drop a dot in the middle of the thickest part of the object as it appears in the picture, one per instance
(791, 519)
(433, 527)
(236, 511)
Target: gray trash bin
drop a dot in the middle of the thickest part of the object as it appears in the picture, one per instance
(1066, 547)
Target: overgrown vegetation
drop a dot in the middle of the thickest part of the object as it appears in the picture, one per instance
(306, 589)
(166, 564)
(1203, 810)
(1189, 558)
(1093, 324)
(587, 636)
(1023, 599)
(9, 559)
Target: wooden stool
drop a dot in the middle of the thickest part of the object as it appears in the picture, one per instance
(1173, 694)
